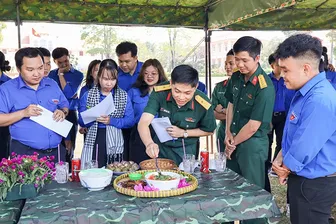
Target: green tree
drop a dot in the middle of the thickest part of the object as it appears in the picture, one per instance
(269, 48)
(181, 43)
(332, 37)
(99, 39)
(172, 34)
(2, 27)
(74, 60)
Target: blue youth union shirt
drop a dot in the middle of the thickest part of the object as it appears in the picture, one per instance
(280, 88)
(139, 103)
(309, 140)
(74, 79)
(15, 95)
(4, 78)
(126, 80)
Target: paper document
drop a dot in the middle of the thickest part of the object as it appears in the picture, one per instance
(47, 121)
(105, 107)
(160, 125)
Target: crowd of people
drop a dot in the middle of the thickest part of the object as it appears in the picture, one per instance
(296, 102)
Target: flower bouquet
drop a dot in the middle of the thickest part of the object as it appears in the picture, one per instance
(22, 176)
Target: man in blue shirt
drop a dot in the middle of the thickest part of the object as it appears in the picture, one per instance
(4, 131)
(46, 59)
(282, 96)
(128, 72)
(201, 87)
(69, 80)
(19, 100)
(309, 141)
(129, 66)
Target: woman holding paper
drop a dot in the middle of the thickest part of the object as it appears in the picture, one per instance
(106, 132)
(151, 74)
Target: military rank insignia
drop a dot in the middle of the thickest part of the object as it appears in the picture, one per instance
(162, 88)
(262, 81)
(254, 80)
(203, 102)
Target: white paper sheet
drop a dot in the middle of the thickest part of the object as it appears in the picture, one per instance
(105, 107)
(160, 125)
(47, 121)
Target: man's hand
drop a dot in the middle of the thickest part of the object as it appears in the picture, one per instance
(63, 70)
(32, 110)
(230, 146)
(83, 130)
(219, 108)
(104, 119)
(229, 140)
(58, 115)
(229, 151)
(331, 67)
(280, 169)
(175, 131)
(152, 150)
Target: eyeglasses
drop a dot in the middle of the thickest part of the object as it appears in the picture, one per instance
(151, 74)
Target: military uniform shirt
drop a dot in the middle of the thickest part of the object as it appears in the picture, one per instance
(218, 96)
(253, 100)
(190, 116)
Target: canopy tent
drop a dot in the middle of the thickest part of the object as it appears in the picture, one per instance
(214, 14)
(274, 15)
(188, 13)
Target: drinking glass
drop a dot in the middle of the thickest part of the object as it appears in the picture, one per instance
(189, 163)
(220, 162)
(62, 172)
(91, 164)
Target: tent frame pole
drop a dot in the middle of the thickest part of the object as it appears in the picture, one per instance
(18, 22)
(207, 42)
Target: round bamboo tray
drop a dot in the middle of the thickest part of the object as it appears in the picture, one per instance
(164, 164)
(155, 194)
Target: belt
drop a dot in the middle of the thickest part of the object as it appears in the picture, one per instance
(331, 175)
(275, 114)
(48, 150)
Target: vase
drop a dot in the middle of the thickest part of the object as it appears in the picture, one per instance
(26, 191)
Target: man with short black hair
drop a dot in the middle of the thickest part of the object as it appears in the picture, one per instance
(46, 57)
(283, 97)
(19, 100)
(250, 93)
(307, 157)
(69, 80)
(188, 109)
(129, 66)
(128, 72)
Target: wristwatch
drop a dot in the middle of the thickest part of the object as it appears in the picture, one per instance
(65, 112)
(185, 134)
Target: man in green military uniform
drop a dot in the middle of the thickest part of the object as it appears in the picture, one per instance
(189, 110)
(219, 102)
(251, 96)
